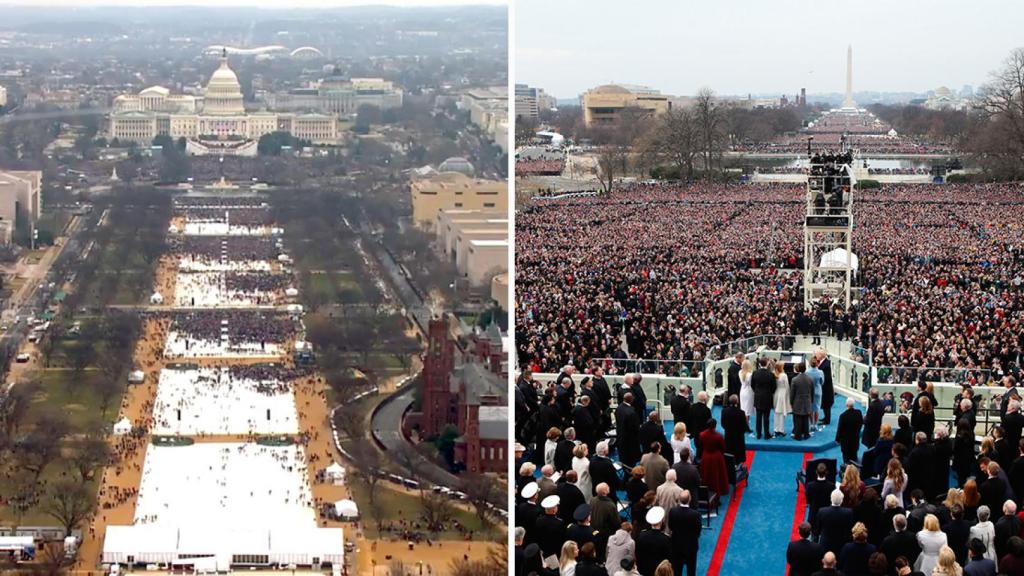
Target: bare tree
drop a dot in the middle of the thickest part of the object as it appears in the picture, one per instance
(1001, 103)
(496, 564)
(710, 124)
(481, 491)
(436, 509)
(91, 452)
(69, 503)
(677, 140)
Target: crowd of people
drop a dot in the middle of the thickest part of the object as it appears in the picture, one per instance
(918, 499)
(241, 325)
(546, 167)
(673, 270)
(234, 248)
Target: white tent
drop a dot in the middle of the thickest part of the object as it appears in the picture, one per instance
(346, 509)
(335, 473)
(123, 426)
(837, 259)
(156, 298)
(136, 376)
(290, 292)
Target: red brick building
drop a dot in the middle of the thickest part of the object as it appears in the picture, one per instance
(467, 389)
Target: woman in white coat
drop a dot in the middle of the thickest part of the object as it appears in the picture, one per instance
(931, 540)
(581, 464)
(746, 392)
(781, 400)
(985, 531)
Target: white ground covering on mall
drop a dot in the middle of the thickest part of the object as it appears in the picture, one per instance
(180, 346)
(200, 264)
(224, 500)
(224, 229)
(208, 290)
(209, 401)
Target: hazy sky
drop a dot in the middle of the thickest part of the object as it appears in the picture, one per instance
(741, 46)
(256, 3)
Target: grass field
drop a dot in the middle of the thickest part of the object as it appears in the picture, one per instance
(395, 505)
(61, 391)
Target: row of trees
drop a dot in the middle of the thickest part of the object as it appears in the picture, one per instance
(691, 139)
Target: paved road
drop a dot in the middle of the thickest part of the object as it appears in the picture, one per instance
(386, 424)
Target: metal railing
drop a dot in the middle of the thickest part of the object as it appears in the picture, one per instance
(912, 374)
(673, 368)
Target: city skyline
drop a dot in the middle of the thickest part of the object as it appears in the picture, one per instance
(692, 46)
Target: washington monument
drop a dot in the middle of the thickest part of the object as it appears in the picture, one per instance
(848, 101)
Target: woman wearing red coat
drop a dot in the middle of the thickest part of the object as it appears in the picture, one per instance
(713, 472)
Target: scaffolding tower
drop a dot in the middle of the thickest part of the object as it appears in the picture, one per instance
(828, 229)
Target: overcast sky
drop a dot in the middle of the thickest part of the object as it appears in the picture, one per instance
(256, 3)
(741, 46)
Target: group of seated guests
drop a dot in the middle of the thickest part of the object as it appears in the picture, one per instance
(251, 282)
(243, 216)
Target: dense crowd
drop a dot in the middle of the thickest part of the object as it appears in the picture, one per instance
(236, 215)
(242, 326)
(668, 271)
(252, 282)
(919, 499)
(543, 167)
(236, 248)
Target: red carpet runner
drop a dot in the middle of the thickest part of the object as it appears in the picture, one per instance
(730, 518)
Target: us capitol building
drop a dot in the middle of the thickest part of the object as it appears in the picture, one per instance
(215, 123)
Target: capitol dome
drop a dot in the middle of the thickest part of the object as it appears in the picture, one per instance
(223, 91)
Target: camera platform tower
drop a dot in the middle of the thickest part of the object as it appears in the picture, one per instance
(828, 228)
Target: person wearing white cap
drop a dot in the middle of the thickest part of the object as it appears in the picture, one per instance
(653, 545)
(549, 528)
(528, 511)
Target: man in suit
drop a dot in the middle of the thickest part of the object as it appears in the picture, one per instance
(920, 464)
(763, 383)
(734, 384)
(685, 526)
(1010, 383)
(993, 491)
(667, 495)
(631, 385)
(700, 415)
(565, 398)
(872, 419)
(547, 418)
(653, 432)
(545, 483)
(583, 422)
(627, 431)
(603, 394)
(848, 431)
(901, 542)
(1007, 527)
(817, 493)
(655, 467)
(681, 405)
(687, 474)
(835, 523)
(581, 531)
(653, 545)
(1013, 423)
(803, 555)
(801, 398)
(734, 423)
(604, 514)
(958, 531)
(602, 471)
(828, 393)
(564, 448)
(569, 495)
